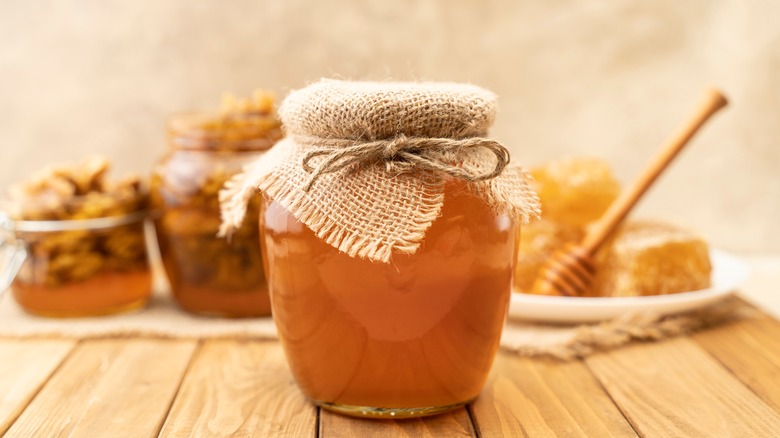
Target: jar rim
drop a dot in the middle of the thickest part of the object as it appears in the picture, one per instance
(54, 225)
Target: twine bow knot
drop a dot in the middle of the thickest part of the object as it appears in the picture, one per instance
(402, 154)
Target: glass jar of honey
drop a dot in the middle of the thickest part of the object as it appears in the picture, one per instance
(207, 274)
(389, 241)
(414, 337)
(74, 244)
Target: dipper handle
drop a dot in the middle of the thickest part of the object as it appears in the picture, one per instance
(712, 102)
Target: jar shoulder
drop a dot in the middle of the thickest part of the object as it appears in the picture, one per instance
(195, 173)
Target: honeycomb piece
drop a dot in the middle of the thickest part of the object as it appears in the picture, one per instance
(651, 258)
(575, 191)
(538, 240)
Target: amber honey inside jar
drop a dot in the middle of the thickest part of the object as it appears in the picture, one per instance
(78, 241)
(417, 335)
(207, 274)
(107, 272)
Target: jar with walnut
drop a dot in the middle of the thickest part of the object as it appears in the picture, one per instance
(209, 275)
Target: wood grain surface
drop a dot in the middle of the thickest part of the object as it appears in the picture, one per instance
(750, 349)
(540, 398)
(108, 388)
(240, 388)
(673, 388)
(25, 365)
(723, 382)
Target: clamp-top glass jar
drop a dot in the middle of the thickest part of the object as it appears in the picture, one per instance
(209, 275)
(74, 243)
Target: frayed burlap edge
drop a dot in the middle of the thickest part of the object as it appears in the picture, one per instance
(280, 176)
(570, 343)
(512, 191)
(345, 240)
(237, 191)
(364, 164)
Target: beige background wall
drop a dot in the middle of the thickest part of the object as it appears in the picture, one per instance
(598, 77)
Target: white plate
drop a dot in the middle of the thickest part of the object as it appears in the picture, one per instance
(728, 272)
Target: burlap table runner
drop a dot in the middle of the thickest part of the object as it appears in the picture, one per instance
(162, 319)
(568, 342)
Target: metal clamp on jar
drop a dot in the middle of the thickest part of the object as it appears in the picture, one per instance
(12, 250)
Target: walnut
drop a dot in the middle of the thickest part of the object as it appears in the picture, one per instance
(74, 192)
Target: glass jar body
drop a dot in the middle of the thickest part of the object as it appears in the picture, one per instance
(207, 274)
(413, 337)
(83, 272)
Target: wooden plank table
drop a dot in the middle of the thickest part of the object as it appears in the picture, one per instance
(717, 383)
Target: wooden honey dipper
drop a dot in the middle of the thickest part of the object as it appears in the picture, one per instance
(570, 270)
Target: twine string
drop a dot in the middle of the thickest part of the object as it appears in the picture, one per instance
(402, 154)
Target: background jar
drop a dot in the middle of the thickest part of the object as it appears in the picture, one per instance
(414, 337)
(80, 267)
(208, 274)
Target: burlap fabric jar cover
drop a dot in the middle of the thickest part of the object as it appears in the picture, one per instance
(364, 163)
(389, 242)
